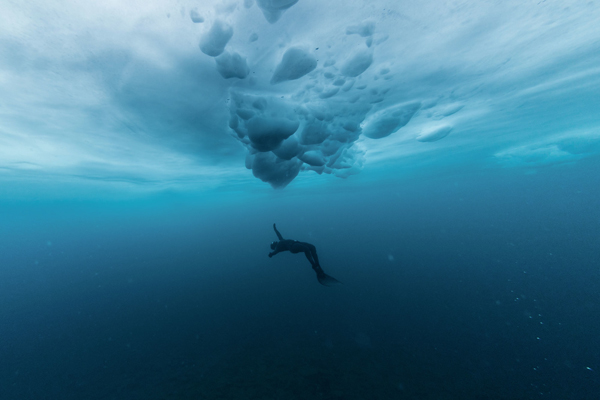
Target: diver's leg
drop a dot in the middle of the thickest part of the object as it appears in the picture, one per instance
(310, 258)
(313, 252)
(322, 277)
(315, 264)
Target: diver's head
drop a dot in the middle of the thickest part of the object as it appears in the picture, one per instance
(274, 244)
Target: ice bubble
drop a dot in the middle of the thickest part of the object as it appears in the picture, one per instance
(232, 65)
(296, 63)
(435, 133)
(238, 128)
(273, 9)
(314, 132)
(380, 38)
(389, 120)
(259, 104)
(253, 37)
(445, 110)
(364, 29)
(214, 41)
(449, 109)
(313, 158)
(277, 172)
(351, 126)
(195, 16)
(329, 93)
(348, 85)
(358, 63)
(244, 113)
(330, 147)
(266, 134)
(288, 149)
(321, 115)
(347, 161)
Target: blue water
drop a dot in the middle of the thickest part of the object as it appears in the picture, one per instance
(482, 286)
(442, 156)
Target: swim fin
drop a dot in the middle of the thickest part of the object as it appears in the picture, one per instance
(325, 279)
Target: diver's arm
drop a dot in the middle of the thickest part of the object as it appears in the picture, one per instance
(271, 254)
(277, 232)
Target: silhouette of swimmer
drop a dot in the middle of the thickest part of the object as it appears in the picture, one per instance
(309, 250)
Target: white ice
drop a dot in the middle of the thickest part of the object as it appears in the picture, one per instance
(146, 92)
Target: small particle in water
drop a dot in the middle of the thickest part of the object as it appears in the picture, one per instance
(390, 257)
(589, 369)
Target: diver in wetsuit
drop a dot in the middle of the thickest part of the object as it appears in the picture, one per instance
(294, 246)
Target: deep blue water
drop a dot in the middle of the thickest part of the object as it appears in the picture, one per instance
(479, 285)
(442, 156)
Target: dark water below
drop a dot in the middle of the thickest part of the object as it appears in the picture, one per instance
(460, 287)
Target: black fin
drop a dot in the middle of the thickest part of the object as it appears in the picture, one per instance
(325, 279)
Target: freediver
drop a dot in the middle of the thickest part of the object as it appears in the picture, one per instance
(294, 246)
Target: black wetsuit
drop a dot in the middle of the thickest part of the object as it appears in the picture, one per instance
(309, 251)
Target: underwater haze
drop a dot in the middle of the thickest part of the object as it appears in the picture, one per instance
(443, 157)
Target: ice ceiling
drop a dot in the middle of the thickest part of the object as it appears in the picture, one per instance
(194, 91)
